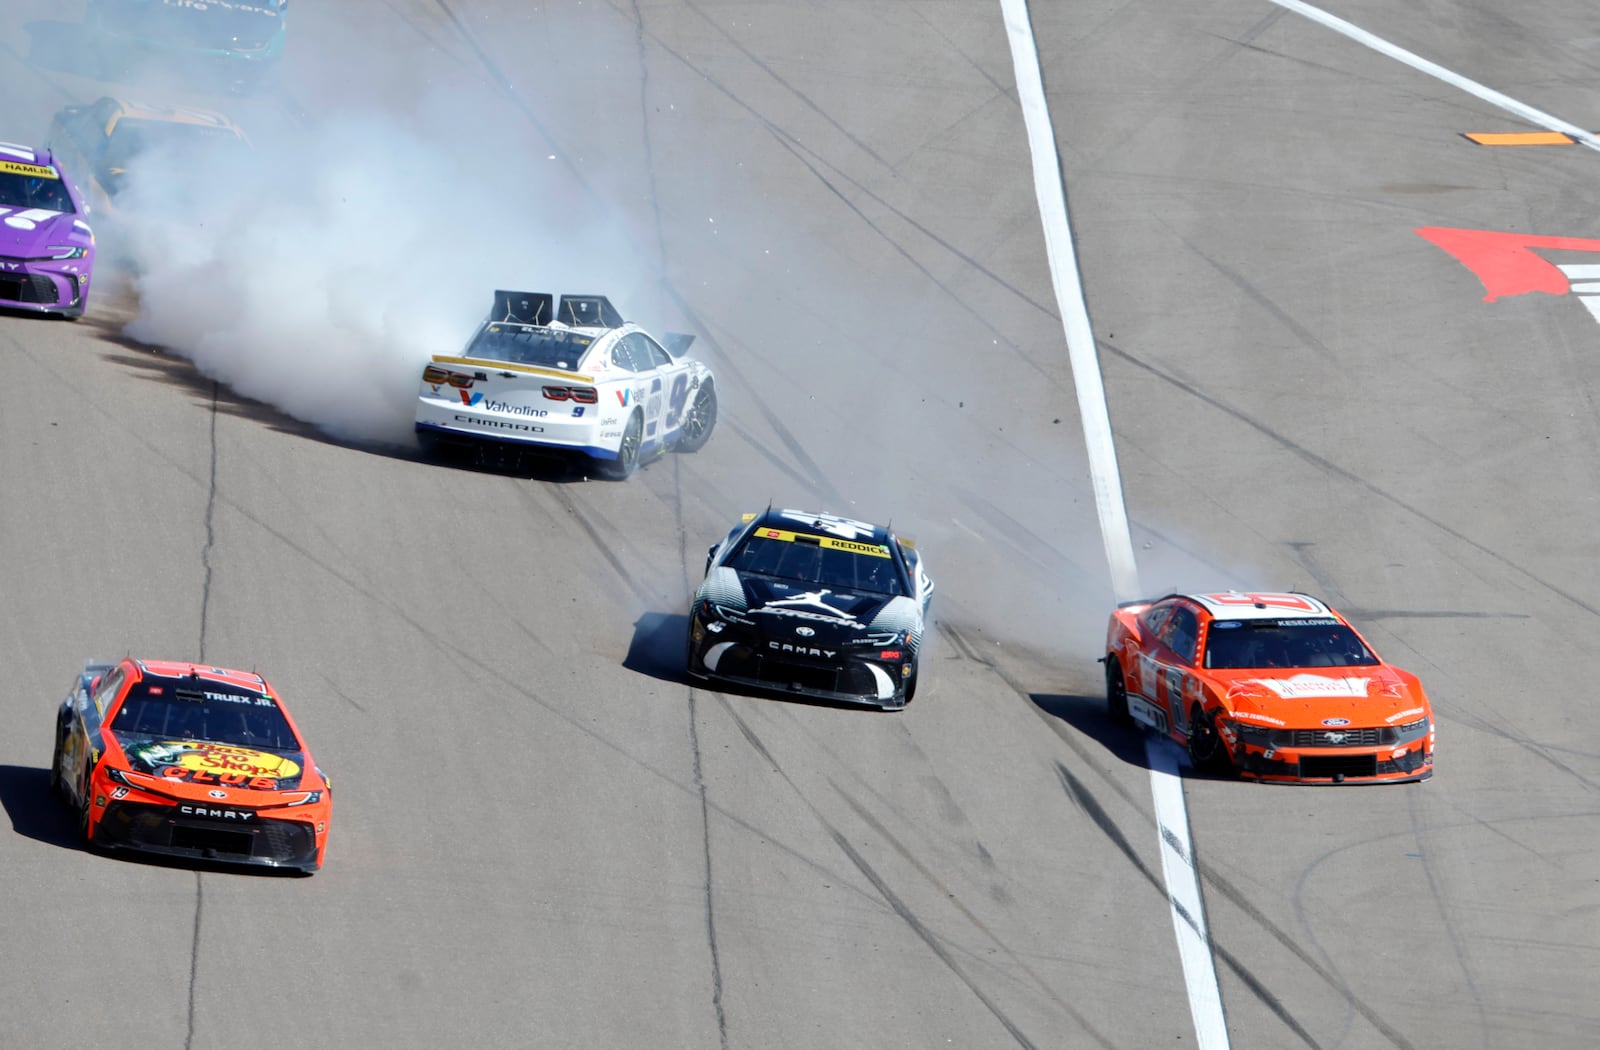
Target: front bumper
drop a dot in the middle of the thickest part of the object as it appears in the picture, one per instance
(1330, 766)
(50, 287)
(270, 842)
(759, 663)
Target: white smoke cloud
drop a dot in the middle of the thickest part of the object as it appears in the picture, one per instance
(319, 271)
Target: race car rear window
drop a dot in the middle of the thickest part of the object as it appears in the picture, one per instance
(838, 565)
(1303, 642)
(27, 186)
(545, 347)
(199, 709)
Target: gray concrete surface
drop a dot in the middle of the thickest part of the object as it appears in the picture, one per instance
(543, 837)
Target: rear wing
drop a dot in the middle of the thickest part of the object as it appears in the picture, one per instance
(540, 308)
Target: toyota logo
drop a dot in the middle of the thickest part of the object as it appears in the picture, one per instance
(217, 794)
(804, 632)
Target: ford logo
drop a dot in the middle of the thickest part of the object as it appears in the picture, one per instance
(1336, 721)
(804, 632)
(217, 794)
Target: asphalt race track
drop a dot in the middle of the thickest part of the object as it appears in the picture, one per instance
(544, 837)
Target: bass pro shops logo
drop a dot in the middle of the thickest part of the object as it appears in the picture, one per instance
(1509, 264)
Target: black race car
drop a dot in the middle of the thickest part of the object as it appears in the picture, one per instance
(813, 604)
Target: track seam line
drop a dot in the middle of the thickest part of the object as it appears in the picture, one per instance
(211, 531)
(1177, 858)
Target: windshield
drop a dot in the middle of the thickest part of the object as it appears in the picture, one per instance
(842, 565)
(198, 709)
(32, 188)
(1304, 642)
(527, 345)
(134, 136)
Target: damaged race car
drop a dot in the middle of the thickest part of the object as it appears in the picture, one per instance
(190, 761)
(1272, 687)
(812, 604)
(538, 379)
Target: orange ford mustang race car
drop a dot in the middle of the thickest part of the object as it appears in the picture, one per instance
(1275, 687)
(192, 761)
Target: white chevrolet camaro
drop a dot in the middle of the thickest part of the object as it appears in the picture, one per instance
(575, 379)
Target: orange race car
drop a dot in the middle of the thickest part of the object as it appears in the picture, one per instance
(1275, 687)
(192, 761)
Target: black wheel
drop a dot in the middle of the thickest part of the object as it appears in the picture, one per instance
(698, 421)
(85, 801)
(1116, 693)
(57, 787)
(627, 453)
(1206, 749)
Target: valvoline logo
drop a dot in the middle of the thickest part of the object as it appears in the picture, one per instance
(470, 400)
(624, 398)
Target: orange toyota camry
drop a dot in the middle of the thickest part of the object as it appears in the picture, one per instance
(192, 761)
(1274, 687)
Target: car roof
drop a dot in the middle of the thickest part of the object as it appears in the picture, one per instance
(829, 524)
(1260, 605)
(25, 154)
(179, 669)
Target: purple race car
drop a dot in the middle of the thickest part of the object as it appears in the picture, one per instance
(46, 248)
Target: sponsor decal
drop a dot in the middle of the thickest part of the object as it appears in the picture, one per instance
(802, 650)
(624, 397)
(119, 792)
(1309, 685)
(872, 550)
(1398, 716)
(489, 404)
(38, 171)
(1336, 721)
(811, 600)
(1255, 716)
(577, 410)
(222, 764)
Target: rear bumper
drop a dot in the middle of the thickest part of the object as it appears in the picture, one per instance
(269, 843)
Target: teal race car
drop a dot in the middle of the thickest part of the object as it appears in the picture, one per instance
(247, 33)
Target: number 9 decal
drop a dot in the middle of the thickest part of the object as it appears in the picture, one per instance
(679, 398)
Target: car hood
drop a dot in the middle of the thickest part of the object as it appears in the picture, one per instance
(216, 765)
(27, 233)
(1300, 698)
(799, 609)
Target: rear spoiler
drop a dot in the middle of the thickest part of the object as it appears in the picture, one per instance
(587, 311)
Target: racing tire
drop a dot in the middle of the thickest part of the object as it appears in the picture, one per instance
(57, 787)
(1206, 749)
(85, 830)
(627, 461)
(1117, 693)
(695, 430)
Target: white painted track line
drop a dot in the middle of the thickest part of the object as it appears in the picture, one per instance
(1068, 285)
(1172, 817)
(1433, 69)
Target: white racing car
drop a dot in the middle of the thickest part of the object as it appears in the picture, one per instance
(574, 379)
